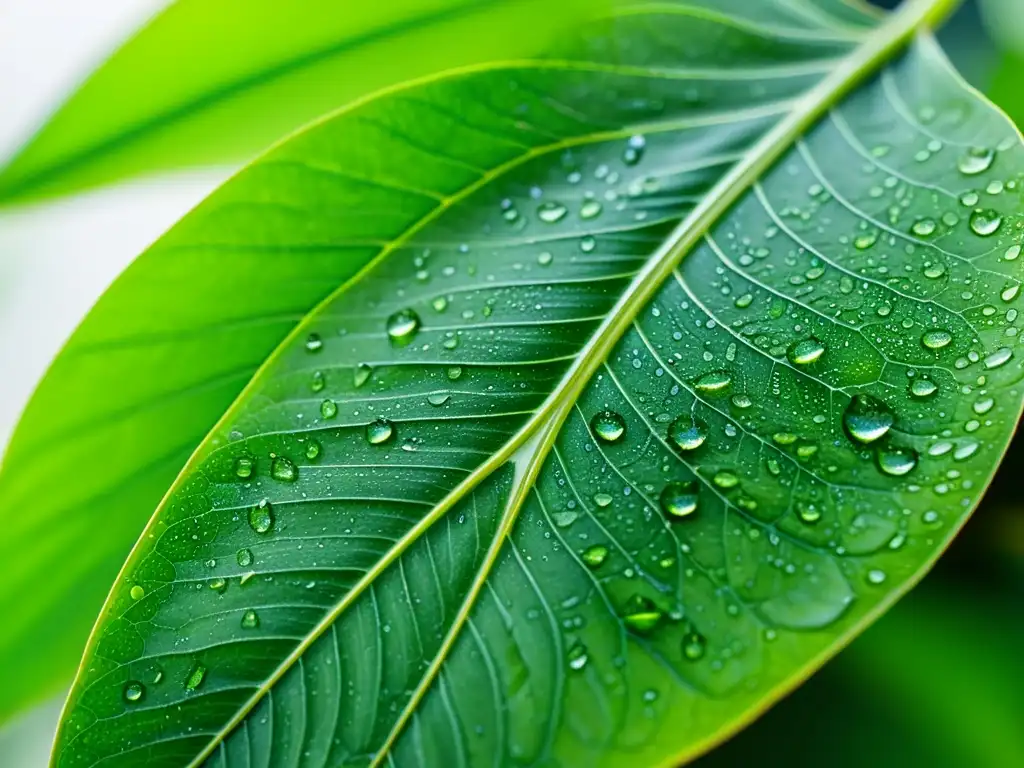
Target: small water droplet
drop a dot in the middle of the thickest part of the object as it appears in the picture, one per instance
(975, 161)
(876, 576)
(218, 584)
(328, 409)
(725, 480)
(379, 432)
(244, 466)
(924, 227)
(244, 557)
(923, 387)
(806, 352)
(137, 592)
(318, 381)
(578, 657)
(694, 647)
(688, 433)
(250, 620)
(742, 401)
(587, 244)
(261, 517)
(313, 450)
(642, 615)
(808, 512)
(195, 677)
(608, 426)
(603, 499)
(590, 209)
(283, 470)
(454, 372)
(134, 691)
(715, 381)
(897, 461)
(1012, 253)
(361, 374)
(867, 419)
(314, 343)
(402, 327)
(545, 258)
(634, 150)
(594, 556)
(438, 398)
(679, 499)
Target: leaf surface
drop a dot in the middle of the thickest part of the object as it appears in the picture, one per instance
(682, 354)
(210, 82)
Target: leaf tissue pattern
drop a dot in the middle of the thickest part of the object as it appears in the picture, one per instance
(683, 353)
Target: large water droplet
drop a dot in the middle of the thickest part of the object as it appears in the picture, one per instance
(998, 358)
(402, 327)
(897, 461)
(641, 615)
(679, 499)
(867, 418)
(688, 433)
(806, 352)
(133, 691)
(261, 517)
(379, 432)
(137, 592)
(986, 223)
(283, 469)
(608, 426)
(594, 556)
(975, 160)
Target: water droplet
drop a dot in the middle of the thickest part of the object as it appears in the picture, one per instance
(688, 433)
(244, 557)
(137, 592)
(1012, 253)
(283, 470)
(318, 382)
(261, 517)
(923, 388)
(924, 227)
(694, 647)
(195, 677)
(634, 150)
(679, 499)
(998, 358)
(218, 584)
(551, 212)
(587, 244)
(969, 199)
(897, 461)
(590, 209)
(809, 513)
(744, 301)
(133, 691)
(608, 426)
(866, 240)
(975, 160)
(244, 466)
(578, 657)
(250, 620)
(742, 401)
(867, 418)
(438, 398)
(725, 480)
(602, 499)
(985, 223)
(594, 556)
(715, 381)
(313, 450)
(454, 372)
(328, 409)
(379, 432)
(314, 343)
(545, 258)
(361, 374)
(439, 303)
(402, 327)
(642, 615)
(806, 352)
(936, 338)
(875, 576)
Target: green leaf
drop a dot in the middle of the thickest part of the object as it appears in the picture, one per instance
(216, 81)
(681, 355)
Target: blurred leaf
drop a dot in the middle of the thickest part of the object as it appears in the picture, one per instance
(529, 486)
(215, 81)
(1006, 90)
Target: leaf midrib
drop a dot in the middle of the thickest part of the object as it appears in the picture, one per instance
(535, 439)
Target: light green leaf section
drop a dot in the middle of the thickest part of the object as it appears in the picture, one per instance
(216, 81)
(682, 354)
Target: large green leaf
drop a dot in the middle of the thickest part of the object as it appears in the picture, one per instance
(215, 81)
(532, 487)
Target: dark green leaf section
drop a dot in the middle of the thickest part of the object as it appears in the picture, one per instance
(218, 81)
(354, 570)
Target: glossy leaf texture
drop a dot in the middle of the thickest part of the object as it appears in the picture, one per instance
(677, 362)
(213, 82)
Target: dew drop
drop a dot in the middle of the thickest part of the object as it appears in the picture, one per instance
(985, 223)
(725, 480)
(379, 432)
(402, 327)
(244, 557)
(975, 160)
(137, 592)
(688, 433)
(283, 470)
(454, 372)
(923, 388)
(924, 227)
(897, 461)
(679, 499)
(867, 419)
(594, 556)
(244, 467)
(608, 426)
(809, 513)
(318, 381)
(634, 150)
(715, 381)
(361, 374)
(195, 677)
(578, 657)
(806, 352)
(438, 399)
(134, 691)
(218, 584)
(314, 343)
(261, 517)
(998, 358)
(313, 450)
(742, 401)
(876, 576)
(642, 615)
(250, 620)
(545, 258)
(603, 499)
(590, 209)
(694, 647)
(551, 212)
(328, 409)
(936, 338)
(1012, 253)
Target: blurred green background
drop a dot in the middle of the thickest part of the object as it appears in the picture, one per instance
(937, 682)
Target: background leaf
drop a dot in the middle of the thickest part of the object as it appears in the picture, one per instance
(370, 532)
(216, 81)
